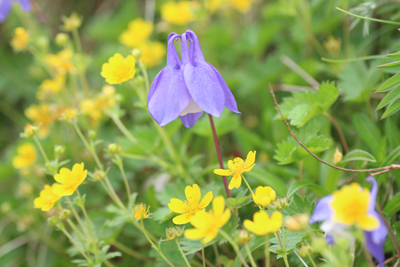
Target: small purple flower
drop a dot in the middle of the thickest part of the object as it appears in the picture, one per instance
(374, 239)
(188, 87)
(6, 5)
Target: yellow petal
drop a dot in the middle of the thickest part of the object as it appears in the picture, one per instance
(224, 218)
(210, 235)
(38, 203)
(182, 219)
(368, 222)
(252, 227)
(276, 221)
(201, 220)
(194, 234)
(251, 158)
(223, 172)
(236, 181)
(261, 217)
(218, 206)
(78, 168)
(206, 200)
(178, 205)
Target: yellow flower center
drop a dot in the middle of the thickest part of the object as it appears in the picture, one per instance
(237, 166)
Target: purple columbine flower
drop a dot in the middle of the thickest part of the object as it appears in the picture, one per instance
(188, 87)
(6, 5)
(375, 239)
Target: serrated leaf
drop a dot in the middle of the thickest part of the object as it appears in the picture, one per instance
(391, 83)
(358, 154)
(304, 106)
(293, 239)
(392, 66)
(393, 108)
(298, 205)
(390, 97)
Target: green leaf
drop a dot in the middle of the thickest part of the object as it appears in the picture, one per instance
(290, 151)
(392, 206)
(332, 180)
(298, 205)
(358, 154)
(394, 81)
(392, 66)
(358, 82)
(293, 239)
(392, 156)
(305, 105)
(389, 98)
(393, 108)
(312, 186)
(395, 56)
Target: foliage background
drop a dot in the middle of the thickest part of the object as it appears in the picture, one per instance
(249, 50)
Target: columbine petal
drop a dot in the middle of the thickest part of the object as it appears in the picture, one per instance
(26, 5)
(182, 219)
(373, 193)
(206, 200)
(202, 83)
(190, 119)
(376, 249)
(5, 8)
(323, 210)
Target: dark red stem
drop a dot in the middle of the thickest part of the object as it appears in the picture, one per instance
(221, 164)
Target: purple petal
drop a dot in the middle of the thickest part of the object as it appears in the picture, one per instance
(373, 193)
(195, 50)
(172, 55)
(169, 96)
(230, 101)
(26, 5)
(329, 239)
(375, 248)
(5, 8)
(379, 235)
(323, 210)
(190, 119)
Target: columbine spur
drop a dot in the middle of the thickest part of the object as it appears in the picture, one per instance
(188, 87)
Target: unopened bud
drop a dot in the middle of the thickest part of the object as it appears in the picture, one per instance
(297, 223)
(136, 52)
(59, 150)
(305, 250)
(173, 232)
(114, 149)
(92, 134)
(42, 42)
(337, 157)
(64, 214)
(62, 39)
(280, 204)
(52, 221)
(29, 131)
(69, 113)
(118, 98)
(72, 22)
(243, 237)
(99, 176)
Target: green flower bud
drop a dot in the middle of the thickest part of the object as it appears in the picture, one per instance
(59, 150)
(5, 207)
(114, 149)
(64, 214)
(92, 134)
(305, 250)
(62, 39)
(52, 221)
(136, 52)
(99, 176)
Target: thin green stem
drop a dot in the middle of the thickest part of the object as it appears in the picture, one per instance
(312, 261)
(367, 18)
(78, 234)
(121, 126)
(131, 252)
(41, 150)
(253, 263)
(183, 254)
(203, 254)
(77, 41)
(351, 59)
(88, 146)
(128, 190)
(109, 264)
(89, 260)
(284, 248)
(114, 194)
(153, 245)
(77, 217)
(89, 226)
(267, 256)
(145, 76)
(235, 247)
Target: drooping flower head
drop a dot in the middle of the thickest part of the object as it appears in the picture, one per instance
(47, 198)
(236, 167)
(353, 205)
(186, 88)
(190, 206)
(207, 224)
(6, 5)
(262, 224)
(69, 180)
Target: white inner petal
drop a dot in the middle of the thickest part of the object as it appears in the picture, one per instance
(192, 107)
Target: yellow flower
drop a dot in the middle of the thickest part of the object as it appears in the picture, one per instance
(26, 156)
(47, 198)
(178, 13)
(140, 212)
(264, 196)
(152, 53)
(337, 157)
(94, 107)
(29, 131)
(50, 87)
(20, 39)
(350, 205)
(241, 5)
(262, 224)
(62, 61)
(190, 206)
(69, 113)
(138, 32)
(207, 224)
(214, 5)
(41, 114)
(69, 180)
(236, 168)
(118, 69)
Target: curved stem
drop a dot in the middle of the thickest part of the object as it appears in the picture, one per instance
(78, 234)
(235, 247)
(253, 263)
(217, 147)
(128, 190)
(88, 146)
(352, 59)
(183, 254)
(76, 245)
(41, 150)
(367, 18)
(339, 130)
(202, 254)
(383, 169)
(284, 248)
(77, 217)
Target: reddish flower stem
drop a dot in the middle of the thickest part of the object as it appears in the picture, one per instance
(221, 164)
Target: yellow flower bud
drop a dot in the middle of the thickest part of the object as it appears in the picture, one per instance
(62, 39)
(64, 214)
(29, 131)
(305, 250)
(72, 22)
(140, 211)
(337, 157)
